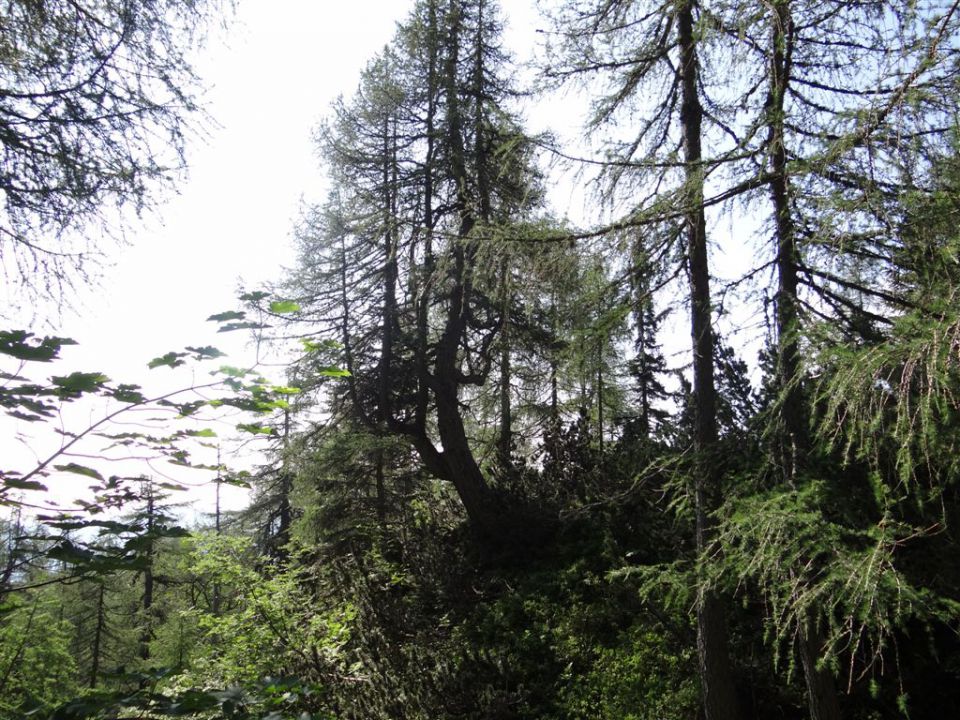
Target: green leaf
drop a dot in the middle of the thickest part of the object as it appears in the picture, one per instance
(254, 297)
(318, 345)
(282, 307)
(185, 409)
(80, 470)
(16, 343)
(17, 484)
(230, 327)
(207, 352)
(171, 359)
(28, 418)
(75, 384)
(205, 433)
(255, 429)
(129, 394)
(333, 372)
(69, 523)
(66, 551)
(225, 316)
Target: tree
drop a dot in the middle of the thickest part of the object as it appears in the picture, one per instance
(639, 48)
(648, 364)
(95, 106)
(430, 167)
(834, 148)
(36, 665)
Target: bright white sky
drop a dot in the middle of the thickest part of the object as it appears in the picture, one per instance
(271, 77)
(283, 64)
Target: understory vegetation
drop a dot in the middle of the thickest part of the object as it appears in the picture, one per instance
(522, 467)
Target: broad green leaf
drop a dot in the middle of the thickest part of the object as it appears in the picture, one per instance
(171, 359)
(185, 409)
(66, 551)
(255, 429)
(70, 523)
(255, 296)
(129, 394)
(80, 470)
(17, 484)
(317, 345)
(207, 352)
(75, 384)
(26, 417)
(333, 372)
(225, 316)
(17, 343)
(230, 327)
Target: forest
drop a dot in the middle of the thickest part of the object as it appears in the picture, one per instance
(517, 465)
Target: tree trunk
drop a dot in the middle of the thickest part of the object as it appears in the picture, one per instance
(505, 438)
(821, 688)
(457, 455)
(793, 439)
(98, 637)
(600, 392)
(146, 634)
(381, 500)
(215, 607)
(716, 676)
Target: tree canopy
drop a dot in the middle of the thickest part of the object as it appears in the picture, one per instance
(97, 98)
(497, 485)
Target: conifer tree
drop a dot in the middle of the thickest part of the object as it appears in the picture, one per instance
(431, 164)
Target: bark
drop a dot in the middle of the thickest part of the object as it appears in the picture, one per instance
(505, 438)
(716, 677)
(390, 269)
(554, 367)
(821, 688)
(600, 392)
(146, 634)
(426, 279)
(793, 438)
(281, 539)
(460, 465)
(98, 637)
(215, 606)
(381, 491)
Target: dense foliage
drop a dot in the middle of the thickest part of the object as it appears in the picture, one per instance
(497, 489)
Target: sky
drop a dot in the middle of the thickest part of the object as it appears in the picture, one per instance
(270, 77)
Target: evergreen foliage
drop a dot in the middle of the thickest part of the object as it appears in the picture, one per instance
(492, 493)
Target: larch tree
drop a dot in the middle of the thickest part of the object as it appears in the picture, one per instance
(834, 152)
(96, 102)
(429, 168)
(649, 57)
